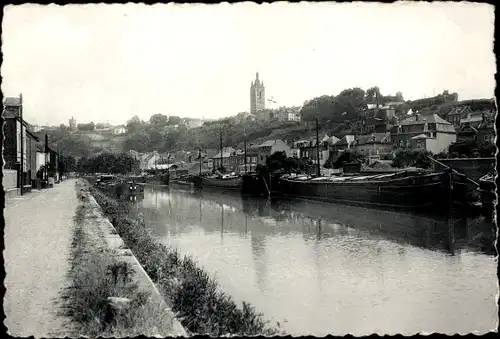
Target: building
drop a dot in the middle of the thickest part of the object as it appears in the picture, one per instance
(193, 123)
(309, 151)
(35, 128)
(14, 131)
(268, 148)
(226, 154)
(257, 95)
(118, 130)
(286, 114)
(72, 123)
(374, 144)
(456, 115)
(486, 131)
(424, 131)
(473, 119)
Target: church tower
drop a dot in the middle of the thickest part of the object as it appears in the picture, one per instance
(257, 95)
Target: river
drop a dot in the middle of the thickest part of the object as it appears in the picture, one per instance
(323, 269)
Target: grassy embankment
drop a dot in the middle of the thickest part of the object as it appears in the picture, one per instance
(97, 275)
(200, 305)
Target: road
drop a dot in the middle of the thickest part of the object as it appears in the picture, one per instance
(37, 239)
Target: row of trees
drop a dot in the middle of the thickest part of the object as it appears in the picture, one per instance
(108, 163)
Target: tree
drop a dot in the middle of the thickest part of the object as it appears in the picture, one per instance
(159, 120)
(371, 95)
(348, 157)
(86, 127)
(408, 157)
(134, 124)
(174, 120)
(276, 161)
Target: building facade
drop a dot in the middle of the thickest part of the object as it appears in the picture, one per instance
(427, 131)
(257, 95)
(16, 131)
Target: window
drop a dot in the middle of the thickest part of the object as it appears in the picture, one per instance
(419, 144)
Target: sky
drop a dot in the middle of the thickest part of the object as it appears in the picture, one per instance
(106, 63)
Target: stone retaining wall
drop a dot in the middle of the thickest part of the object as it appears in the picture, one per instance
(116, 243)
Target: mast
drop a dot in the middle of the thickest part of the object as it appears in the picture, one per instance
(245, 148)
(221, 148)
(22, 142)
(199, 156)
(317, 148)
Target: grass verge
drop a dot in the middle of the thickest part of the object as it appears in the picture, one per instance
(102, 298)
(201, 306)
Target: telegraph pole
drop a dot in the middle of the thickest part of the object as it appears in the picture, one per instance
(47, 158)
(22, 141)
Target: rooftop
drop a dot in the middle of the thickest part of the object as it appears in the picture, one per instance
(12, 102)
(424, 118)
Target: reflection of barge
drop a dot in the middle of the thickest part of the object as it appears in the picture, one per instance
(232, 183)
(412, 189)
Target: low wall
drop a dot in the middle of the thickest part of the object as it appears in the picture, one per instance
(116, 243)
(9, 180)
(474, 168)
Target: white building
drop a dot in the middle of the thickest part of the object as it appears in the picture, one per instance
(119, 130)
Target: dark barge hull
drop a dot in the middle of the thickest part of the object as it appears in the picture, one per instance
(430, 192)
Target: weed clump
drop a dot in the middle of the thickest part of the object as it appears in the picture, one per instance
(102, 299)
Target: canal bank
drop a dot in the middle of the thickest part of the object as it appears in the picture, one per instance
(110, 294)
(197, 299)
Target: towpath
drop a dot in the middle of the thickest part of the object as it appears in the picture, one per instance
(37, 236)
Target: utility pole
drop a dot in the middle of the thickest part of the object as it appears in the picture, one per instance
(47, 158)
(22, 141)
(317, 148)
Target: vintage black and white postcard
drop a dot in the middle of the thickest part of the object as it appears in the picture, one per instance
(249, 169)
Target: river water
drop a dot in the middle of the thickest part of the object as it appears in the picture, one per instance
(323, 269)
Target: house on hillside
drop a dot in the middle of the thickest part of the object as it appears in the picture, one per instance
(456, 114)
(286, 114)
(486, 131)
(119, 130)
(270, 147)
(374, 144)
(193, 123)
(428, 132)
(309, 150)
(473, 119)
(226, 154)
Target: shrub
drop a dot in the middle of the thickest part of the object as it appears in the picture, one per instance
(417, 158)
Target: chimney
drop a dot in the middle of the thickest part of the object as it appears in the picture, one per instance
(417, 117)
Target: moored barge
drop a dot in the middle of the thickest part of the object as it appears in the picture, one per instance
(412, 189)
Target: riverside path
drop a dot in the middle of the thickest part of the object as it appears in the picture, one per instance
(37, 237)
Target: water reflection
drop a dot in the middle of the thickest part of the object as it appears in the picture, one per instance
(327, 269)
